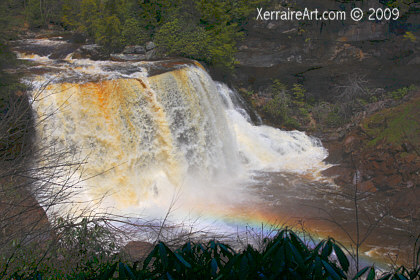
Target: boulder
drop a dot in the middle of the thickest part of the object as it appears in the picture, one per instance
(137, 49)
(77, 38)
(150, 46)
(152, 54)
(92, 51)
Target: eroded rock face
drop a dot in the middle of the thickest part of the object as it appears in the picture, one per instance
(365, 31)
(382, 150)
(22, 215)
(320, 54)
(386, 158)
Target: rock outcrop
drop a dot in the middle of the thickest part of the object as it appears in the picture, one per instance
(321, 54)
(93, 51)
(136, 53)
(382, 151)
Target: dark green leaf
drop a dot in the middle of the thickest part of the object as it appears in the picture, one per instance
(386, 277)
(331, 270)
(401, 277)
(152, 254)
(243, 270)
(108, 273)
(121, 271)
(372, 274)
(326, 251)
(342, 259)
(296, 254)
(213, 267)
(163, 254)
(169, 276)
(361, 272)
(130, 272)
(318, 268)
(182, 260)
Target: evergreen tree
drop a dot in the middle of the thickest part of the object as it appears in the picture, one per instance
(133, 33)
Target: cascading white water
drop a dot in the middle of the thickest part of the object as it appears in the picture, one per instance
(174, 133)
(266, 148)
(147, 137)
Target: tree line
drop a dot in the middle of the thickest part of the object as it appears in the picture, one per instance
(206, 30)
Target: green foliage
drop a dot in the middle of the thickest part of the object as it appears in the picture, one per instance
(285, 256)
(15, 112)
(70, 14)
(132, 34)
(327, 114)
(86, 238)
(277, 108)
(399, 274)
(198, 29)
(395, 125)
(34, 13)
(11, 19)
(401, 92)
(9, 83)
(39, 13)
(206, 32)
(107, 32)
(76, 250)
(410, 36)
(222, 45)
(89, 16)
(402, 5)
(87, 245)
(182, 38)
(298, 93)
(287, 107)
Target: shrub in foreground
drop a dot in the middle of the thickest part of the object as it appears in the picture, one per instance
(284, 257)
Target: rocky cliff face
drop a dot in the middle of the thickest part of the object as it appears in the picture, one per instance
(380, 154)
(321, 54)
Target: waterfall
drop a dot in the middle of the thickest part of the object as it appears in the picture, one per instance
(147, 136)
(152, 136)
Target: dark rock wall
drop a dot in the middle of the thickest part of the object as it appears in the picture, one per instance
(321, 54)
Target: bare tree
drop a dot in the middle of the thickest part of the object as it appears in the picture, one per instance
(38, 182)
(362, 204)
(350, 94)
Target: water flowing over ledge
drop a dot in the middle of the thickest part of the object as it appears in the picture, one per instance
(146, 136)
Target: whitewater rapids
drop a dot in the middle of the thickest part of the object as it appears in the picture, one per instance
(147, 138)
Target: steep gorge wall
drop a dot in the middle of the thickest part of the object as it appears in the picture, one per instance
(321, 54)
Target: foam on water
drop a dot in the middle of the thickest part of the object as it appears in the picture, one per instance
(150, 138)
